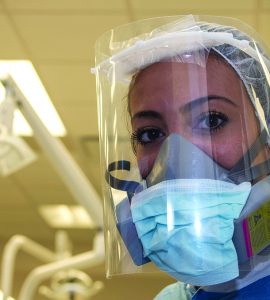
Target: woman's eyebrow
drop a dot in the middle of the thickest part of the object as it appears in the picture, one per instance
(146, 114)
(199, 101)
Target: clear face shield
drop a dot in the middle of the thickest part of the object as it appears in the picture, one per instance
(183, 119)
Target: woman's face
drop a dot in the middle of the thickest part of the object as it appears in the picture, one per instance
(207, 105)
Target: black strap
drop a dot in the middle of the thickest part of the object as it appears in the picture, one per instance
(252, 173)
(120, 184)
(240, 174)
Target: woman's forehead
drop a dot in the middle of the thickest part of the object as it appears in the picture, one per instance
(183, 82)
(175, 70)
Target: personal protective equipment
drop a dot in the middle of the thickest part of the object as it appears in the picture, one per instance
(201, 79)
(186, 227)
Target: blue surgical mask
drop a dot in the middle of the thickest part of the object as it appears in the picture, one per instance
(186, 227)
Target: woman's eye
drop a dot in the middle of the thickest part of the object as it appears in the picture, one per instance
(147, 135)
(211, 121)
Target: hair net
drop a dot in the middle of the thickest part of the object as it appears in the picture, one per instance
(250, 70)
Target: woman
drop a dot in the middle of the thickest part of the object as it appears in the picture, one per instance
(197, 190)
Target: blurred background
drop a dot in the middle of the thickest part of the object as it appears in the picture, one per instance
(58, 37)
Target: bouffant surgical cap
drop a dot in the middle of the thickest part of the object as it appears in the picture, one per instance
(253, 72)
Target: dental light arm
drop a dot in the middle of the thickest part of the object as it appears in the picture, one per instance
(58, 260)
(16, 243)
(64, 164)
(80, 261)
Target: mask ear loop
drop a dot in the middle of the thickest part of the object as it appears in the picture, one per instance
(240, 174)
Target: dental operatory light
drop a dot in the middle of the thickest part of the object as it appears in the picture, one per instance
(71, 285)
(64, 216)
(27, 79)
(14, 151)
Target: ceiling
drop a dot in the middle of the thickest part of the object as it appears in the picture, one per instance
(58, 36)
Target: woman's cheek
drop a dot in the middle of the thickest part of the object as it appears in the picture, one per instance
(230, 152)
